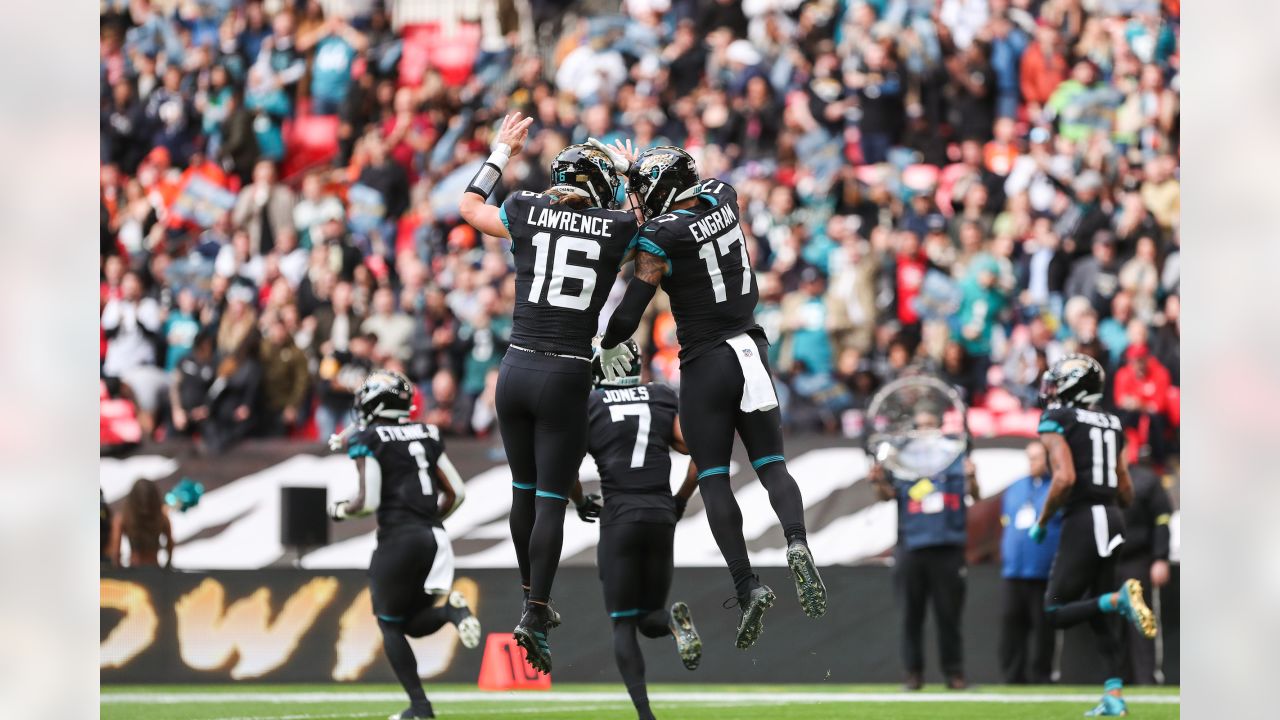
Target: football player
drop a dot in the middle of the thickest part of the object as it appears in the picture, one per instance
(568, 243)
(1090, 478)
(692, 245)
(406, 478)
(633, 428)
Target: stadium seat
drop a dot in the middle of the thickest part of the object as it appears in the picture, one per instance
(118, 424)
(309, 141)
(1018, 423)
(1000, 401)
(982, 423)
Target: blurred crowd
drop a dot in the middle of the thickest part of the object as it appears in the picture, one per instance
(969, 187)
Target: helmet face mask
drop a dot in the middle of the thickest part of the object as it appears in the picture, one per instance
(631, 379)
(589, 172)
(1074, 381)
(662, 176)
(384, 395)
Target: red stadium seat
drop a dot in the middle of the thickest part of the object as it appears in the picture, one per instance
(1018, 423)
(981, 422)
(118, 425)
(1000, 401)
(309, 141)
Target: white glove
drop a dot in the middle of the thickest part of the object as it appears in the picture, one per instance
(336, 441)
(616, 361)
(620, 164)
(338, 511)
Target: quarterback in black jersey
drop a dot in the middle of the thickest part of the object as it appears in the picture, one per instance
(406, 478)
(1090, 480)
(693, 246)
(634, 427)
(568, 243)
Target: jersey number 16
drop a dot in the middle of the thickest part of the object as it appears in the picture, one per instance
(560, 268)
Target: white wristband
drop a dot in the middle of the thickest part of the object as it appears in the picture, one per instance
(498, 158)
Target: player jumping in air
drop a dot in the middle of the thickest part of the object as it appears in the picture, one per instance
(568, 243)
(692, 244)
(634, 427)
(1090, 476)
(405, 476)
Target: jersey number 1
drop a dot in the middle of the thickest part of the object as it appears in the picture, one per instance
(419, 454)
(561, 268)
(641, 411)
(708, 254)
(1103, 440)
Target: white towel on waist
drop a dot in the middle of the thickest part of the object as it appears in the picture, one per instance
(757, 386)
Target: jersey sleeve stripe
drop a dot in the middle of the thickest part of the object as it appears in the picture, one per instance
(1050, 426)
(358, 451)
(650, 246)
(710, 198)
(502, 215)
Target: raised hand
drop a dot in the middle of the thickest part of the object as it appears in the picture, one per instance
(514, 132)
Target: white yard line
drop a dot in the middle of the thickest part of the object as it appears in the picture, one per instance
(616, 697)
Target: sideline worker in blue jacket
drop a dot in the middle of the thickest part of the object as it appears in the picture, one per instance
(1025, 568)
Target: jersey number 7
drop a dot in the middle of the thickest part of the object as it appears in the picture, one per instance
(561, 268)
(722, 243)
(641, 411)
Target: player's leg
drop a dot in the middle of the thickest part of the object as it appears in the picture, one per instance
(710, 391)
(1066, 599)
(761, 433)
(560, 442)
(1106, 633)
(947, 587)
(430, 617)
(657, 569)
(913, 596)
(620, 558)
(397, 572)
(516, 425)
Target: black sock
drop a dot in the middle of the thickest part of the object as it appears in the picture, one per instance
(405, 666)
(521, 521)
(725, 519)
(784, 496)
(1064, 616)
(626, 650)
(544, 547)
(655, 624)
(429, 620)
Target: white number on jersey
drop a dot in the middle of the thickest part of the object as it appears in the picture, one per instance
(641, 411)
(561, 268)
(1104, 440)
(419, 453)
(708, 254)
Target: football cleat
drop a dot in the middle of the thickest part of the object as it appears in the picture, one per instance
(688, 642)
(469, 625)
(1110, 706)
(809, 587)
(1132, 606)
(531, 634)
(553, 621)
(412, 713)
(752, 622)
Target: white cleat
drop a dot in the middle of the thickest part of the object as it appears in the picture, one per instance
(469, 626)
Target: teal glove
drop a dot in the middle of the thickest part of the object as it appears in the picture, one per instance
(1037, 533)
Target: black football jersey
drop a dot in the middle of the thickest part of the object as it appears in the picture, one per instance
(1097, 443)
(407, 454)
(566, 261)
(630, 436)
(709, 278)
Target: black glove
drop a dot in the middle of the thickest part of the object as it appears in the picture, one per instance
(590, 507)
(681, 504)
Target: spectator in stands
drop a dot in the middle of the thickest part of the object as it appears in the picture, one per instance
(929, 561)
(1140, 277)
(1042, 69)
(1025, 568)
(335, 46)
(1142, 401)
(181, 327)
(341, 373)
(144, 522)
(235, 396)
(285, 380)
(393, 328)
(131, 325)
(1145, 556)
(1113, 331)
(264, 208)
(189, 388)
(1096, 277)
(1166, 338)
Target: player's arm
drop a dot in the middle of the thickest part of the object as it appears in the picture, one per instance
(1124, 482)
(649, 271)
(881, 481)
(677, 440)
(687, 488)
(587, 504)
(1064, 475)
(368, 491)
(473, 206)
(449, 480)
(971, 479)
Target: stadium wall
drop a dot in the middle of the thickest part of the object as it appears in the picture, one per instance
(297, 625)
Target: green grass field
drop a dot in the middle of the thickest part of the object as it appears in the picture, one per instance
(609, 702)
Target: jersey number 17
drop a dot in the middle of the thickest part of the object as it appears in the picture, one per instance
(709, 255)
